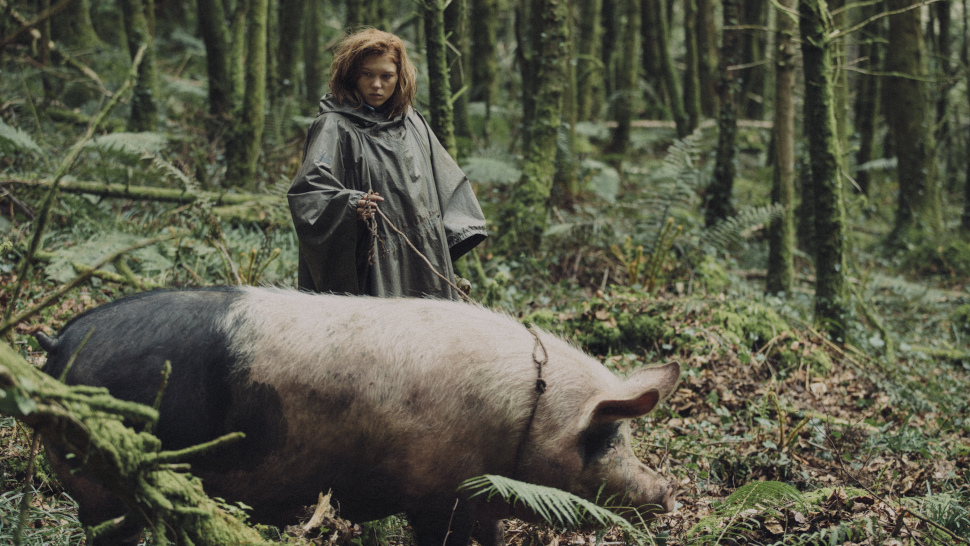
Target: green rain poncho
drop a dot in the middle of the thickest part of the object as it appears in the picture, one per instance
(426, 196)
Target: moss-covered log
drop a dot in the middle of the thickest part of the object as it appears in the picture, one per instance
(87, 422)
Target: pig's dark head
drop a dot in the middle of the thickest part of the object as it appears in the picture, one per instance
(591, 455)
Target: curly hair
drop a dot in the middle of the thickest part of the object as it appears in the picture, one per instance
(350, 54)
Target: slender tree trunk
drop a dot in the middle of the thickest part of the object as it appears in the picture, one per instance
(669, 75)
(831, 302)
(626, 81)
(367, 13)
(943, 113)
(718, 198)
(237, 56)
(589, 65)
(707, 56)
(608, 45)
(313, 52)
(840, 79)
(526, 215)
(656, 98)
(215, 35)
(442, 121)
(242, 150)
(456, 29)
(919, 204)
(781, 232)
(965, 219)
(290, 44)
(73, 27)
(566, 182)
(144, 108)
(484, 53)
(692, 82)
(867, 97)
(754, 45)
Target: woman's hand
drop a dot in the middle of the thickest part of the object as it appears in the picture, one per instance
(367, 206)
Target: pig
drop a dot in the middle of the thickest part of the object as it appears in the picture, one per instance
(391, 403)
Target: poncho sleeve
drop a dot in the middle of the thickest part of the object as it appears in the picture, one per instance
(323, 202)
(461, 213)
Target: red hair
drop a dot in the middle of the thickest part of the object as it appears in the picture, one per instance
(349, 56)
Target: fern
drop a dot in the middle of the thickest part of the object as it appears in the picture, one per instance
(731, 231)
(496, 171)
(13, 139)
(128, 148)
(766, 495)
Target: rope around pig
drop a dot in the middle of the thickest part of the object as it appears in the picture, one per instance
(372, 226)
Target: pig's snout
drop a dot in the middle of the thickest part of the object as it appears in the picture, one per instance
(670, 498)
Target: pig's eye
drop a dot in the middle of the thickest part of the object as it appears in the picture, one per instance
(595, 441)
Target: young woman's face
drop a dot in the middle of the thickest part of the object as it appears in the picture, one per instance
(377, 79)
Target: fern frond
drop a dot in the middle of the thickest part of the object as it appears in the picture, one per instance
(13, 139)
(558, 508)
(754, 496)
(486, 169)
(731, 231)
(128, 145)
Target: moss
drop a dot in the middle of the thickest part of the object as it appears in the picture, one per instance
(819, 362)
(750, 325)
(711, 276)
(949, 258)
(961, 318)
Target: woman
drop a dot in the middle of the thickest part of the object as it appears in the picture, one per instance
(369, 149)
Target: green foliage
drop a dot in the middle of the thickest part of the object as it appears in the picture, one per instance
(731, 517)
(52, 523)
(948, 510)
(14, 140)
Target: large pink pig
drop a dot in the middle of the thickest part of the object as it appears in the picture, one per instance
(390, 403)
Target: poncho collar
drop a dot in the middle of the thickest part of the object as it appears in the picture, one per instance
(365, 115)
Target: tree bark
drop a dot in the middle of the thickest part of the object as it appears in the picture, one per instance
(831, 305)
(589, 65)
(867, 96)
(919, 206)
(73, 27)
(781, 232)
(626, 80)
(754, 45)
(144, 108)
(484, 52)
(671, 82)
(656, 97)
(218, 52)
(292, 14)
(692, 81)
(707, 56)
(442, 120)
(526, 215)
(456, 32)
(313, 53)
(242, 150)
(718, 198)
(566, 181)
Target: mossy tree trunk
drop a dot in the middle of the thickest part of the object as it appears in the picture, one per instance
(484, 53)
(781, 232)
(608, 19)
(526, 215)
(707, 56)
(292, 14)
(656, 101)
(243, 147)
(73, 27)
(589, 65)
(718, 203)
(313, 53)
(831, 305)
(456, 33)
(867, 97)
(566, 182)
(218, 55)
(692, 81)
(439, 91)
(944, 67)
(144, 107)
(671, 82)
(965, 218)
(919, 206)
(754, 45)
(626, 78)
(371, 13)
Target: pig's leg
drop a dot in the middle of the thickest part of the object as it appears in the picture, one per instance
(445, 526)
(95, 504)
(490, 533)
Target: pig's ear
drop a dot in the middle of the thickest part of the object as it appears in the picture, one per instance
(640, 394)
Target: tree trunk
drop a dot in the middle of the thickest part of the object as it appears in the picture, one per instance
(867, 97)
(965, 219)
(671, 82)
(439, 92)
(656, 97)
(718, 198)
(608, 20)
(944, 67)
(242, 150)
(526, 215)
(456, 31)
(707, 56)
(692, 82)
(919, 203)
(831, 305)
(313, 53)
(218, 51)
(589, 65)
(754, 45)
(73, 27)
(290, 44)
(144, 108)
(566, 182)
(781, 232)
(484, 52)
(367, 13)
(626, 78)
